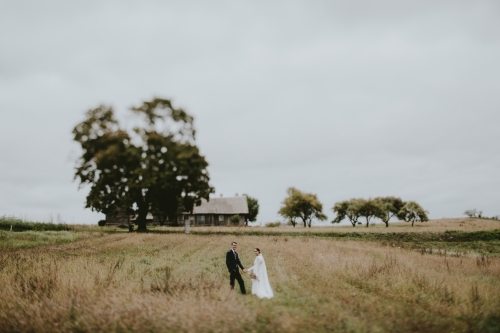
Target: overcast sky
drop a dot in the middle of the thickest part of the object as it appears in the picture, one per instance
(339, 98)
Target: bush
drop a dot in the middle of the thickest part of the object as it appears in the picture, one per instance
(235, 218)
(273, 224)
(101, 223)
(20, 225)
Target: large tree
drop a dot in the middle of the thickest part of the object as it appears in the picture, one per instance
(305, 206)
(348, 208)
(153, 166)
(412, 212)
(390, 208)
(253, 209)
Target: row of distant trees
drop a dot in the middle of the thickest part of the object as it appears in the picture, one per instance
(474, 213)
(304, 207)
(383, 208)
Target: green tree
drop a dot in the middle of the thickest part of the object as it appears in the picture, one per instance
(350, 209)
(155, 166)
(253, 209)
(390, 208)
(411, 212)
(235, 219)
(288, 213)
(305, 206)
(369, 209)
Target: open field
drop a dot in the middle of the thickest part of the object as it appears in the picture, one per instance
(121, 282)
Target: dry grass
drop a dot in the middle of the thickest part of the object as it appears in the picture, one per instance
(179, 283)
(27, 239)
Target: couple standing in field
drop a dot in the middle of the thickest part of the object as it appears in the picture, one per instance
(258, 273)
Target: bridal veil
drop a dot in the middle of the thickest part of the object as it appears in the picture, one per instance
(260, 286)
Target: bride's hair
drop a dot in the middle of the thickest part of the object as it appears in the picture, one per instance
(257, 249)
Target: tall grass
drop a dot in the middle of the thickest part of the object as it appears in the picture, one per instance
(29, 239)
(8, 223)
(179, 283)
(16, 224)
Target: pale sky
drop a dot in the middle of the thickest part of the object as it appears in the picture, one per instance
(339, 98)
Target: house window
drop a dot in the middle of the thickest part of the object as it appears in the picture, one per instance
(221, 218)
(201, 218)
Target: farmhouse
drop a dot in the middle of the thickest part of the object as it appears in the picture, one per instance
(217, 211)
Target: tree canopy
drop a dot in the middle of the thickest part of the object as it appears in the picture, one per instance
(390, 207)
(253, 208)
(383, 208)
(305, 206)
(153, 166)
(411, 212)
(369, 209)
(348, 208)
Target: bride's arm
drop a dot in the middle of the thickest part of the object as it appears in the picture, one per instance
(258, 265)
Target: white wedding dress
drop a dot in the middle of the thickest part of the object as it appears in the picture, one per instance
(260, 285)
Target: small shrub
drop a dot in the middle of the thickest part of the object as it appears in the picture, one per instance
(235, 218)
(273, 224)
(101, 223)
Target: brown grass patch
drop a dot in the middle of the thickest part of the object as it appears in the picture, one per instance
(179, 283)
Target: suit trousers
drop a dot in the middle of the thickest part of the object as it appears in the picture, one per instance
(237, 276)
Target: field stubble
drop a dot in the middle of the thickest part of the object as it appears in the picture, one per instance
(176, 282)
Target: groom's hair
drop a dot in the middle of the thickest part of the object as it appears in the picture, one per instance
(233, 243)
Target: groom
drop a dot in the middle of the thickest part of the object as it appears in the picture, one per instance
(232, 263)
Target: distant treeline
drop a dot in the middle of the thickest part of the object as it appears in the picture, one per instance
(383, 208)
(16, 224)
(303, 206)
(474, 213)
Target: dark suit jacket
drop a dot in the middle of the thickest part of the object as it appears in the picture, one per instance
(233, 262)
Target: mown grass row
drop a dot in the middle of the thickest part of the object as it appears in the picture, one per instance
(446, 236)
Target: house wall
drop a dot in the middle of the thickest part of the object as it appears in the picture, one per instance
(117, 219)
(211, 219)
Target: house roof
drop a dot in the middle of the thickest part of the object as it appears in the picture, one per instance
(232, 205)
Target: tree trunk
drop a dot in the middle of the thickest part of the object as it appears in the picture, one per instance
(412, 222)
(141, 222)
(386, 224)
(162, 219)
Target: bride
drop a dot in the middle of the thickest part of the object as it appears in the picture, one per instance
(258, 273)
